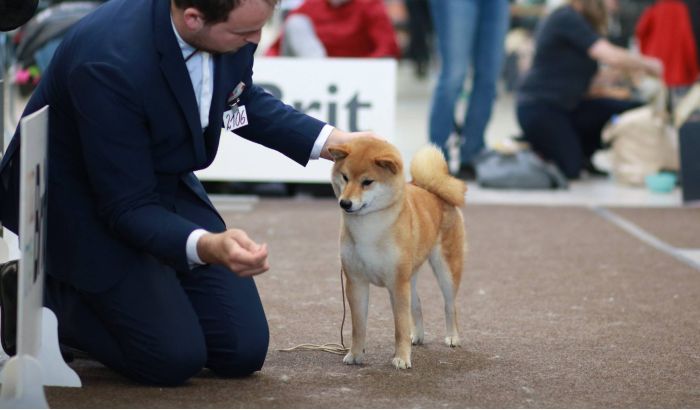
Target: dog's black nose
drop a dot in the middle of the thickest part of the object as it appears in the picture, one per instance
(345, 204)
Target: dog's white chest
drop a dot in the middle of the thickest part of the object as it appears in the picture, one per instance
(371, 254)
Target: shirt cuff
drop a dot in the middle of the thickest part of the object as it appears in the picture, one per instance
(191, 248)
(321, 141)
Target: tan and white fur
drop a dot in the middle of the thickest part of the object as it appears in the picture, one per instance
(390, 228)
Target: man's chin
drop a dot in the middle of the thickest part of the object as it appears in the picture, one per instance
(227, 51)
(220, 51)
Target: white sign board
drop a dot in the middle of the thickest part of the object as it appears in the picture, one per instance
(21, 378)
(349, 93)
(32, 232)
(38, 361)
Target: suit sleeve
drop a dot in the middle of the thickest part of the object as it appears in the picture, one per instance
(116, 148)
(277, 125)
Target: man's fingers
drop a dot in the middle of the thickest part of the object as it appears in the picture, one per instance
(252, 272)
(245, 271)
(372, 134)
(242, 238)
(245, 258)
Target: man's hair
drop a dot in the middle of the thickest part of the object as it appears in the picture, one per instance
(215, 11)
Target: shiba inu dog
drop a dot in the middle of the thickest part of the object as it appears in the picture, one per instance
(390, 228)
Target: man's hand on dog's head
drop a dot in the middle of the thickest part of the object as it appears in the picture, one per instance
(235, 250)
(338, 137)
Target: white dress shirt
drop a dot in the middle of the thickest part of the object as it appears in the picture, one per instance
(201, 69)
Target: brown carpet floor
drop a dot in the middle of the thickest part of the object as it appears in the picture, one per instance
(558, 308)
(677, 227)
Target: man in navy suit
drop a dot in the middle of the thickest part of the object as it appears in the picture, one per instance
(141, 270)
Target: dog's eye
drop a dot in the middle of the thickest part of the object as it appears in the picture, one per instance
(345, 177)
(367, 182)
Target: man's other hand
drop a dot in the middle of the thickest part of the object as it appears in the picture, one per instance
(235, 250)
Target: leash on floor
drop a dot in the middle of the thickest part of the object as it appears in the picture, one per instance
(334, 348)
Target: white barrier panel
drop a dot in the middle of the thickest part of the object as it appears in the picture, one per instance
(38, 361)
(352, 94)
(11, 244)
(4, 251)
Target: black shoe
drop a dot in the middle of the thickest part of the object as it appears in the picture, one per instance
(466, 173)
(8, 302)
(71, 353)
(593, 171)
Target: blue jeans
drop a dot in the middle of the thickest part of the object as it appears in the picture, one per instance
(469, 33)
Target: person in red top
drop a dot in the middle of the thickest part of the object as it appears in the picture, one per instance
(337, 28)
(665, 31)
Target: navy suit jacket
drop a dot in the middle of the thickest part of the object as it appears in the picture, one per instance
(125, 138)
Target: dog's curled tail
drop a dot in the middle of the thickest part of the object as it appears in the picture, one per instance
(429, 171)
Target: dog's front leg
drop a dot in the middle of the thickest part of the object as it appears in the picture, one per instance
(401, 305)
(358, 299)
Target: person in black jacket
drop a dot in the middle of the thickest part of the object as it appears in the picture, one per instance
(556, 117)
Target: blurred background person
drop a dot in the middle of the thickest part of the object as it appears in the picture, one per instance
(694, 12)
(615, 33)
(420, 30)
(558, 118)
(470, 34)
(337, 28)
(665, 31)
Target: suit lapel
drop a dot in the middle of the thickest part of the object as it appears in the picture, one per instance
(175, 71)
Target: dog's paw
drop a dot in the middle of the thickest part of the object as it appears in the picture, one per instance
(351, 358)
(452, 341)
(400, 363)
(417, 339)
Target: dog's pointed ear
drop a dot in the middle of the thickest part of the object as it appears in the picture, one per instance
(389, 163)
(338, 152)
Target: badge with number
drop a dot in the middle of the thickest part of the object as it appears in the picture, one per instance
(235, 118)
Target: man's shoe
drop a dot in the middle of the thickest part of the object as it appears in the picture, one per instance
(8, 302)
(466, 173)
(594, 171)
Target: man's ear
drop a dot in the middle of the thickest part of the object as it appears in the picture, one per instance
(338, 152)
(389, 163)
(194, 19)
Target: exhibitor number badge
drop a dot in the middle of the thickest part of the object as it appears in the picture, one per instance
(235, 118)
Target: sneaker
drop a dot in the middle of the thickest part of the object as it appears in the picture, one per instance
(466, 173)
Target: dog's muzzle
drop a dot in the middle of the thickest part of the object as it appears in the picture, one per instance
(348, 205)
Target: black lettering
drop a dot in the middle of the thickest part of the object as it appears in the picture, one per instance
(353, 107)
(332, 107)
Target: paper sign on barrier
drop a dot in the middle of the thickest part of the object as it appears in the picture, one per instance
(38, 361)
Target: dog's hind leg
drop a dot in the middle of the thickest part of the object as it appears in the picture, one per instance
(417, 332)
(358, 298)
(444, 268)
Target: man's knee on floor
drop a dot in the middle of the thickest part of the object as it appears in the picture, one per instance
(170, 364)
(247, 358)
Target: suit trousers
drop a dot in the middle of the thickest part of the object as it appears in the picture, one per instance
(160, 325)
